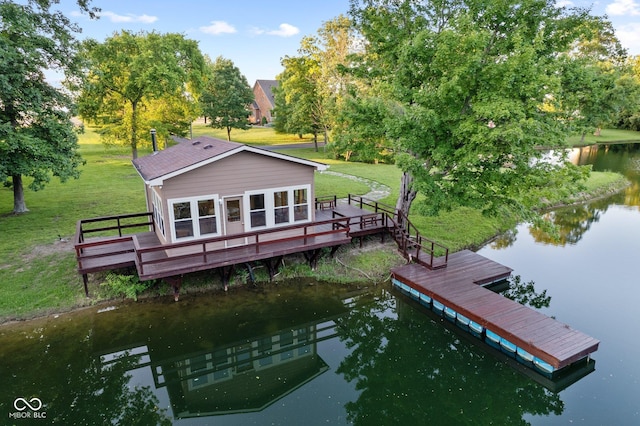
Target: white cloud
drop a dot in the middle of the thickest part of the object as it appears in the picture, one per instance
(284, 30)
(629, 36)
(218, 27)
(128, 18)
(564, 3)
(623, 7)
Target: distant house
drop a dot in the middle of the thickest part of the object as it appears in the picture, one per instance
(264, 102)
(208, 187)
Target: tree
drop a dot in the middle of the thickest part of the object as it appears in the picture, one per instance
(37, 138)
(595, 85)
(227, 97)
(130, 72)
(298, 107)
(312, 85)
(467, 81)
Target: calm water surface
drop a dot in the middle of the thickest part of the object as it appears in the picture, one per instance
(312, 353)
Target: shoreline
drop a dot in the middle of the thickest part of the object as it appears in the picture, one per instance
(330, 271)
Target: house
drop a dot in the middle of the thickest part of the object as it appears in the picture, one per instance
(264, 102)
(207, 187)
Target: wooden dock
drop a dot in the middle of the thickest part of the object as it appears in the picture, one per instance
(517, 326)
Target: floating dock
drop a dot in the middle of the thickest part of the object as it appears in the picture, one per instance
(457, 294)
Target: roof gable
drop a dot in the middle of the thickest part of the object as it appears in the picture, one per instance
(267, 88)
(192, 154)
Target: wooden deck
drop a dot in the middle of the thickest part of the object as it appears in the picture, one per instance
(456, 286)
(335, 225)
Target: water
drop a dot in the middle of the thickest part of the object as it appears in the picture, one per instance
(313, 353)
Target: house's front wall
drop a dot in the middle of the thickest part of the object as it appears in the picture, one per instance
(272, 193)
(264, 104)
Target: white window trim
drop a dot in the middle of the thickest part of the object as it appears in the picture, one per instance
(269, 206)
(194, 209)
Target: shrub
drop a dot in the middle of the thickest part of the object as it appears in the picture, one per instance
(128, 286)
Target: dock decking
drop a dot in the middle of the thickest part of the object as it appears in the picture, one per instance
(456, 287)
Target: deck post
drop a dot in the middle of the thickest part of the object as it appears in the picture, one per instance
(272, 266)
(176, 283)
(312, 257)
(225, 275)
(85, 280)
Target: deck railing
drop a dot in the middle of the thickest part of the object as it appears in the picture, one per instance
(412, 245)
(107, 224)
(256, 240)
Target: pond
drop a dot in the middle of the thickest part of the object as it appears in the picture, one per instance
(312, 353)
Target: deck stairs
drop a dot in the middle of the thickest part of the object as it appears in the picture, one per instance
(411, 244)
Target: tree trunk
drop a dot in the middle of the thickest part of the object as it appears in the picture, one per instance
(19, 205)
(315, 139)
(229, 133)
(405, 198)
(134, 129)
(583, 136)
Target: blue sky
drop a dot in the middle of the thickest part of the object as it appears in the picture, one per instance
(255, 35)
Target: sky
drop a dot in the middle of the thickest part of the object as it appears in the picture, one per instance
(256, 35)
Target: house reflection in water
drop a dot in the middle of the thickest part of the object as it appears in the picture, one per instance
(245, 375)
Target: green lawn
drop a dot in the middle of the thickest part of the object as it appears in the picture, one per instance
(607, 136)
(37, 263)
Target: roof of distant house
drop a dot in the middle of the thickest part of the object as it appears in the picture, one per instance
(191, 154)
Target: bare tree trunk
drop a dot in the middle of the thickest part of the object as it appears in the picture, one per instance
(19, 205)
(405, 198)
(315, 139)
(229, 133)
(134, 129)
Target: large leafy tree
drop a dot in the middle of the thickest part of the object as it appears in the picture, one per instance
(467, 82)
(129, 73)
(298, 105)
(312, 86)
(226, 97)
(595, 83)
(37, 139)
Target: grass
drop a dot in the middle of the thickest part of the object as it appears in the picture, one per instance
(38, 270)
(256, 135)
(607, 136)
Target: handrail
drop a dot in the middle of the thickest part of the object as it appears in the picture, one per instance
(81, 231)
(408, 234)
(199, 247)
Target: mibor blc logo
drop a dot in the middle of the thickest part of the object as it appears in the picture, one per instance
(28, 409)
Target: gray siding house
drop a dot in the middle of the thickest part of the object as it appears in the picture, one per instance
(208, 187)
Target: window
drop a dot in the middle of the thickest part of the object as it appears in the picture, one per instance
(207, 217)
(195, 218)
(182, 217)
(300, 205)
(257, 210)
(281, 206)
(233, 211)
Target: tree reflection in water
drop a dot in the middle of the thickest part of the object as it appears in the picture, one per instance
(409, 369)
(75, 386)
